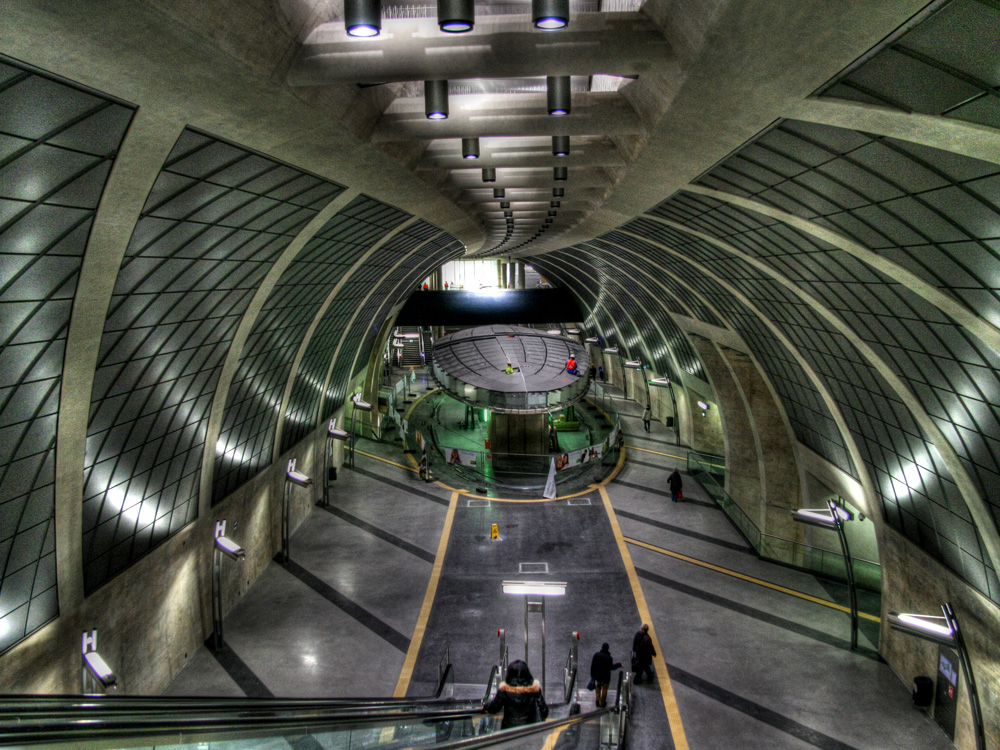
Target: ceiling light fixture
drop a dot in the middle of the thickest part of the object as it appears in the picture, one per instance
(549, 15)
(554, 204)
(470, 148)
(505, 204)
(436, 100)
(560, 145)
(552, 213)
(558, 95)
(499, 193)
(558, 192)
(363, 18)
(489, 174)
(456, 16)
(560, 174)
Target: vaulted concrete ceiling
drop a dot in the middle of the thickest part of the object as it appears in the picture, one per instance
(660, 93)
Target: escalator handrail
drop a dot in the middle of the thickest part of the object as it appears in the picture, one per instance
(81, 730)
(54, 705)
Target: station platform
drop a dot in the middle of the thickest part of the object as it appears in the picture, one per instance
(396, 570)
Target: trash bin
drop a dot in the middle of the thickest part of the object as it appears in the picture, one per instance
(923, 691)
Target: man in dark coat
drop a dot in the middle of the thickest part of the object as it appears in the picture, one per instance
(520, 697)
(600, 673)
(675, 484)
(642, 654)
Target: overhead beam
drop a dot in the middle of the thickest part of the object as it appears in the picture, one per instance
(412, 49)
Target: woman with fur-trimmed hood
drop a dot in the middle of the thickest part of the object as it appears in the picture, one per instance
(520, 697)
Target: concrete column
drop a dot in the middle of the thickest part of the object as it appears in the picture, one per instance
(780, 487)
(436, 279)
(743, 474)
(519, 283)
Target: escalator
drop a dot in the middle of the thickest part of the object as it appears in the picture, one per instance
(112, 722)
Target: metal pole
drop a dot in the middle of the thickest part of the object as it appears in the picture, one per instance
(621, 361)
(354, 428)
(525, 628)
(841, 534)
(543, 643)
(326, 470)
(677, 417)
(285, 502)
(970, 680)
(217, 596)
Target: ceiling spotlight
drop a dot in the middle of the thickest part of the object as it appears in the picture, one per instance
(558, 94)
(470, 148)
(550, 14)
(489, 174)
(554, 204)
(499, 192)
(363, 17)
(456, 16)
(548, 221)
(560, 145)
(560, 174)
(504, 204)
(558, 192)
(436, 100)
(508, 214)
(553, 213)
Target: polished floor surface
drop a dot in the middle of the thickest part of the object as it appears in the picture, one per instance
(397, 570)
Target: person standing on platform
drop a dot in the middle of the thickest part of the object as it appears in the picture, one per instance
(600, 374)
(600, 673)
(676, 485)
(571, 365)
(647, 415)
(642, 654)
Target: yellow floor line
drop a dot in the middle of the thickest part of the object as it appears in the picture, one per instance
(425, 610)
(385, 460)
(666, 686)
(658, 453)
(750, 579)
(553, 738)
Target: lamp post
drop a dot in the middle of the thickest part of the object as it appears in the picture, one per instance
(292, 477)
(621, 360)
(95, 671)
(665, 383)
(333, 433)
(356, 403)
(222, 545)
(535, 593)
(636, 364)
(833, 517)
(945, 631)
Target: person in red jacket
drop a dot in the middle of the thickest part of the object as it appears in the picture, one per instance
(571, 365)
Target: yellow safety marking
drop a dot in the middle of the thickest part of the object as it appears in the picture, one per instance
(553, 738)
(666, 686)
(750, 579)
(425, 610)
(385, 460)
(658, 453)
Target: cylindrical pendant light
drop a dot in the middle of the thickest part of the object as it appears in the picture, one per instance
(436, 100)
(560, 174)
(489, 174)
(550, 14)
(363, 17)
(499, 193)
(560, 145)
(505, 204)
(558, 192)
(558, 94)
(470, 148)
(553, 214)
(456, 16)
(554, 204)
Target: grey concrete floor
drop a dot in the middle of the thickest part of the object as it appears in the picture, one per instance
(750, 667)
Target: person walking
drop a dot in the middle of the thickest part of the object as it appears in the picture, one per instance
(600, 673)
(647, 416)
(675, 484)
(642, 654)
(519, 697)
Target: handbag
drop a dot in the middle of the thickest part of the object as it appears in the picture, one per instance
(680, 494)
(592, 684)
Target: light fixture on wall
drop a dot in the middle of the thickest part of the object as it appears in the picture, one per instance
(363, 18)
(558, 192)
(489, 174)
(456, 16)
(558, 95)
(560, 145)
(560, 174)
(499, 193)
(549, 15)
(436, 100)
(470, 148)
